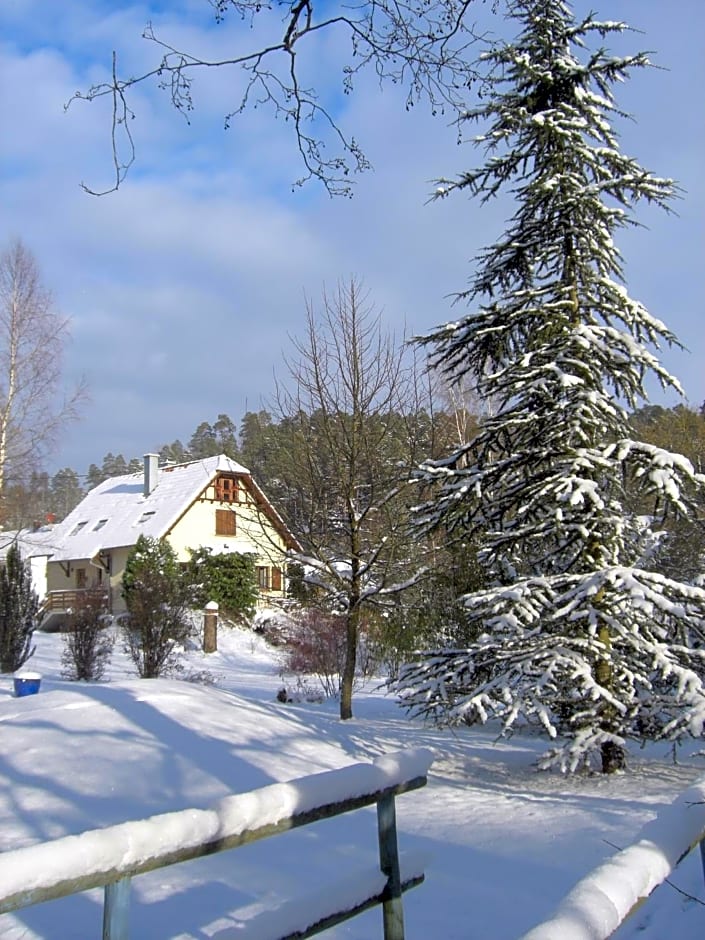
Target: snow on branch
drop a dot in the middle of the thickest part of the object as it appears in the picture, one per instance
(538, 661)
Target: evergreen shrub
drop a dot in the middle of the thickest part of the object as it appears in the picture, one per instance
(19, 605)
(158, 599)
(228, 579)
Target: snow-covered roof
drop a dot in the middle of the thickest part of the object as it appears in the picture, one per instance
(31, 542)
(116, 512)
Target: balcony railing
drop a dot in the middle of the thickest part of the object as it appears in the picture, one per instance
(62, 602)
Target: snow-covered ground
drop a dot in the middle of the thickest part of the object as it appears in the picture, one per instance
(504, 843)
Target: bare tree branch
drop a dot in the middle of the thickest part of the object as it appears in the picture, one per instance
(418, 45)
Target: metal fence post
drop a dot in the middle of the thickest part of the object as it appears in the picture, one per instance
(116, 909)
(392, 911)
(114, 865)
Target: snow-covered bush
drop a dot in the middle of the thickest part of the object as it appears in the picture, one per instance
(229, 579)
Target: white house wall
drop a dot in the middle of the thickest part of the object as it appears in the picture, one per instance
(38, 572)
(254, 533)
(57, 578)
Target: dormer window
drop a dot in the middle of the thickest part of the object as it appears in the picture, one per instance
(146, 516)
(226, 490)
(77, 529)
(99, 524)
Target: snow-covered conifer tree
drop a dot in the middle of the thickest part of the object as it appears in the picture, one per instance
(577, 634)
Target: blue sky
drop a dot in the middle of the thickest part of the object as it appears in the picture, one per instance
(183, 287)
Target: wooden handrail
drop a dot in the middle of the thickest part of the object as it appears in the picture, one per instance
(60, 600)
(68, 598)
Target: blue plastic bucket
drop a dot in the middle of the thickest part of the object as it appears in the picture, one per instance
(27, 683)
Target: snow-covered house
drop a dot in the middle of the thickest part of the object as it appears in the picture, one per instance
(36, 546)
(212, 502)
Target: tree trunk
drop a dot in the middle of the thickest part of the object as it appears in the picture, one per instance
(348, 678)
(613, 757)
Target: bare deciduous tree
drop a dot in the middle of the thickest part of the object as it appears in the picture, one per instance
(88, 641)
(32, 340)
(417, 45)
(352, 407)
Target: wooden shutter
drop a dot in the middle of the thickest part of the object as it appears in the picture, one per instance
(225, 523)
(226, 490)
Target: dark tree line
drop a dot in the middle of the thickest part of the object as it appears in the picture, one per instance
(264, 444)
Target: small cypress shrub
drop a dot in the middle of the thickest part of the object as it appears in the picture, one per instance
(19, 605)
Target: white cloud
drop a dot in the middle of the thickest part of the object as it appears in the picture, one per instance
(183, 286)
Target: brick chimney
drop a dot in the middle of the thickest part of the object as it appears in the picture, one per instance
(151, 472)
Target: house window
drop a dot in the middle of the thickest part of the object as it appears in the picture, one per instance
(146, 516)
(99, 524)
(77, 529)
(81, 580)
(263, 577)
(226, 490)
(225, 522)
(276, 579)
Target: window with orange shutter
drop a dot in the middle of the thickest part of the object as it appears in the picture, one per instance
(226, 490)
(225, 522)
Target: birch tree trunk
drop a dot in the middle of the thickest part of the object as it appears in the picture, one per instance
(32, 338)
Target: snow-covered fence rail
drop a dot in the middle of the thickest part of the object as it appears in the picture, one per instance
(605, 898)
(111, 857)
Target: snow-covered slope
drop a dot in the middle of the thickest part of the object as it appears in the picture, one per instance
(504, 843)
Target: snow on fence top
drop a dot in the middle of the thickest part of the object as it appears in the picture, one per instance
(94, 858)
(603, 900)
